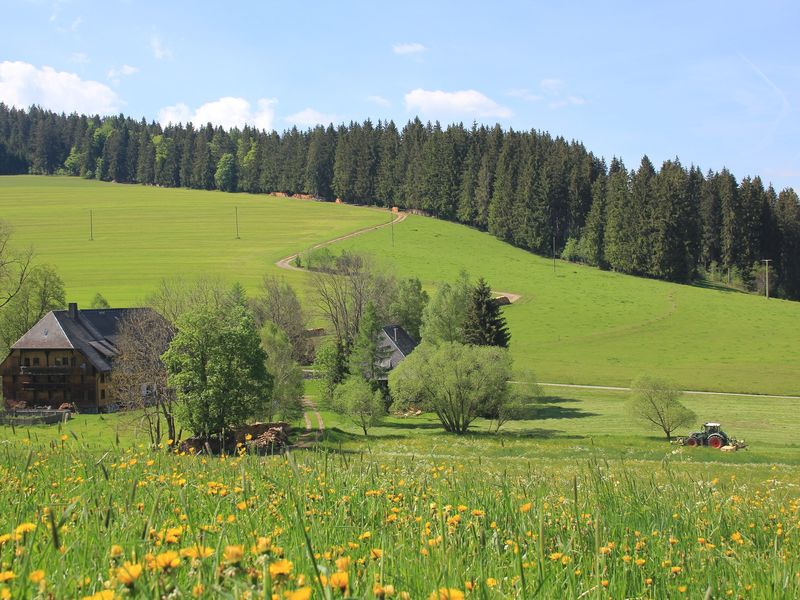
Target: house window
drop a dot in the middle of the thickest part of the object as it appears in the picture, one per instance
(27, 362)
(102, 394)
(35, 361)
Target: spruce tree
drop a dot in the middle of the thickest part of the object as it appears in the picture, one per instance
(484, 324)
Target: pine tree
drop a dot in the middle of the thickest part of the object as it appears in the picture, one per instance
(484, 324)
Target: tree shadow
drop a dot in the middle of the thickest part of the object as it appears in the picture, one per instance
(410, 425)
(550, 407)
(535, 433)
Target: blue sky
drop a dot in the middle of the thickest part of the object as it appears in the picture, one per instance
(715, 83)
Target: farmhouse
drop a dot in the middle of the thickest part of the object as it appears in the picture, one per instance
(66, 357)
(395, 344)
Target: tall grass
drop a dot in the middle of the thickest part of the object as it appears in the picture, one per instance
(146, 524)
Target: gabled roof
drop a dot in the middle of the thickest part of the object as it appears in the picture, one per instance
(399, 339)
(92, 332)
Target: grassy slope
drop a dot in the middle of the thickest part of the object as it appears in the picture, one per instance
(583, 325)
(142, 234)
(580, 325)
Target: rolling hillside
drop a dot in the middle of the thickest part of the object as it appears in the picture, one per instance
(577, 325)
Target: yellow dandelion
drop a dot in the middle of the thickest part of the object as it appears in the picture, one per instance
(343, 563)
(116, 551)
(6, 576)
(301, 594)
(36, 576)
(447, 594)
(128, 573)
(376, 553)
(167, 560)
(25, 528)
(280, 568)
(339, 580)
(233, 554)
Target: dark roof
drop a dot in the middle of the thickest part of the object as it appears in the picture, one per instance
(399, 339)
(92, 332)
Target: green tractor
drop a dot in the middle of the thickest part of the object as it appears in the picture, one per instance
(711, 436)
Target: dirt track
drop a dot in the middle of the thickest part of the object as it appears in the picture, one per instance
(286, 263)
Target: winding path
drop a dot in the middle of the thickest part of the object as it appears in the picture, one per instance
(311, 435)
(287, 263)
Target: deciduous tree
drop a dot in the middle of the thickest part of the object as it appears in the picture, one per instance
(657, 403)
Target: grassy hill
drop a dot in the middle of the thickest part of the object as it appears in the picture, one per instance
(582, 325)
(577, 325)
(142, 234)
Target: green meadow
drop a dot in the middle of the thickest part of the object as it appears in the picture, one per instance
(582, 325)
(572, 325)
(143, 234)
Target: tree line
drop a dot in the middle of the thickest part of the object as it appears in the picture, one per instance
(538, 192)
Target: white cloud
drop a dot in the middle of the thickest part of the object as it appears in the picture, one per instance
(524, 94)
(23, 84)
(379, 100)
(124, 71)
(310, 117)
(551, 86)
(465, 103)
(227, 112)
(160, 51)
(414, 48)
(568, 101)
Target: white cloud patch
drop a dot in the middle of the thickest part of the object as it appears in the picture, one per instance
(553, 90)
(227, 112)
(524, 94)
(379, 100)
(413, 48)
(465, 103)
(23, 84)
(114, 74)
(159, 49)
(310, 117)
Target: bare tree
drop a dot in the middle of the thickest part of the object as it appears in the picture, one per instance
(278, 303)
(15, 265)
(345, 290)
(176, 295)
(139, 378)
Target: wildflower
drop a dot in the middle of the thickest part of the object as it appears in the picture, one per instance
(197, 590)
(604, 583)
(682, 589)
(24, 528)
(280, 568)
(478, 513)
(36, 576)
(491, 582)
(116, 551)
(376, 553)
(233, 554)
(339, 580)
(6, 576)
(526, 507)
(447, 594)
(383, 591)
(196, 552)
(241, 505)
(365, 536)
(676, 570)
(104, 595)
(301, 594)
(167, 560)
(128, 573)
(343, 563)
(640, 561)
(64, 437)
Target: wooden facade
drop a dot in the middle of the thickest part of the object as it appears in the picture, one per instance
(67, 357)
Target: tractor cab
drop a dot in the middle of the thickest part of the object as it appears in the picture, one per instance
(712, 435)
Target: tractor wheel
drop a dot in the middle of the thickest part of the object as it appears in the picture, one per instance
(715, 441)
(691, 442)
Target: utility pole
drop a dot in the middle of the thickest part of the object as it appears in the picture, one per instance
(766, 262)
(236, 208)
(91, 226)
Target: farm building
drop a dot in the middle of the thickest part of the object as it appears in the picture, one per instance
(396, 344)
(67, 357)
